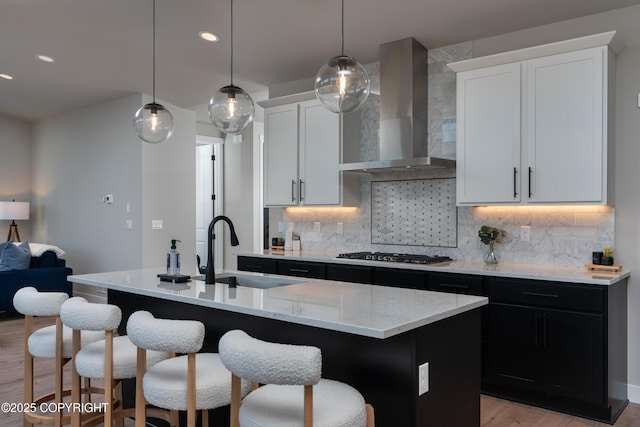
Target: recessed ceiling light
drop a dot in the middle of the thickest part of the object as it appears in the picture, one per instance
(45, 58)
(210, 37)
(6, 77)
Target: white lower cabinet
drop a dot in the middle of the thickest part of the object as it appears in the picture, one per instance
(302, 151)
(536, 130)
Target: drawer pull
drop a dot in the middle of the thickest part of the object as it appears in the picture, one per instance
(451, 285)
(298, 270)
(513, 377)
(252, 266)
(537, 294)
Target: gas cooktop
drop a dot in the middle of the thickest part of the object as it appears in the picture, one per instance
(393, 257)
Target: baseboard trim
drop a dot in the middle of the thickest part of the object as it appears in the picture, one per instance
(633, 392)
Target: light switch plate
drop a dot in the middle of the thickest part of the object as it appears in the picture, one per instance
(157, 224)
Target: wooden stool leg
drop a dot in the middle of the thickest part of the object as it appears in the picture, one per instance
(28, 365)
(58, 375)
(191, 390)
(75, 380)
(175, 420)
(205, 418)
(118, 396)
(108, 379)
(141, 402)
(371, 422)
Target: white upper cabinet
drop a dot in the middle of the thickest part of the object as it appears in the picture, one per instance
(281, 155)
(535, 131)
(565, 133)
(488, 121)
(302, 151)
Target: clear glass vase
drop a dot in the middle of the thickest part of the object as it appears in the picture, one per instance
(490, 256)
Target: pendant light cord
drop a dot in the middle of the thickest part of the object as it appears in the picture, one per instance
(342, 53)
(154, 51)
(231, 42)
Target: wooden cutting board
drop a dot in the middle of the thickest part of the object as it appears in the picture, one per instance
(596, 267)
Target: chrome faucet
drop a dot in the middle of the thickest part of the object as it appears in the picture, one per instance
(210, 273)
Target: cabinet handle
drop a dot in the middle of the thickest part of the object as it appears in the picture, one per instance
(298, 270)
(515, 190)
(253, 267)
(535, 328)
(293, 189)
(544, 330)
(537, 294)
(530, 172)
(513, 377)
(300, 190)
(451, 285)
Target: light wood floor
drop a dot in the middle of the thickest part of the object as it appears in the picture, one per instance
(494, 412)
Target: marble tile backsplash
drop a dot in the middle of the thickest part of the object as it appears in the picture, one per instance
(560, 235)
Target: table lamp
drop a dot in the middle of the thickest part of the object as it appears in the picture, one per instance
(12, 211)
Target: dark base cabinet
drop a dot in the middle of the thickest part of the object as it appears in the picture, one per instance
(561, 346)
(557, 345)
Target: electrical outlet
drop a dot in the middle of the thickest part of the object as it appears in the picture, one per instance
(423, 379)
(316, 226)
(340, 228)
(129, 224)
(525, 233)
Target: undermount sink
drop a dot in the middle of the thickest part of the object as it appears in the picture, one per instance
(260, 282)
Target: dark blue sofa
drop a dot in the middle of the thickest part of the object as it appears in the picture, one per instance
(46, 273)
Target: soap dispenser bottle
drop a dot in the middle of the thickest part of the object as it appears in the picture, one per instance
(173, 259)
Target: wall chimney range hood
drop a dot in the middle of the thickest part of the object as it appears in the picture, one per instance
(403, 111)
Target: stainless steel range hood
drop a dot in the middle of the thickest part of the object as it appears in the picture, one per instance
(403, 111)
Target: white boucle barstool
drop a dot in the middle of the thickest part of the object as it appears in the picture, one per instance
(192, 382)
(294, 394)
(51, 342)
(112, 358)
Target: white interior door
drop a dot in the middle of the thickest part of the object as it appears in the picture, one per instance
(209, 182)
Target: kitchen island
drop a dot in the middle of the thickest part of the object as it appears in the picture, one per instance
(372, 337)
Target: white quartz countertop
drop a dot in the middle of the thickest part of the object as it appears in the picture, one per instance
(373, 311)
(503, 269)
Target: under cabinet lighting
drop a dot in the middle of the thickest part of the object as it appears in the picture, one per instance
(6, 77)
(545, 209)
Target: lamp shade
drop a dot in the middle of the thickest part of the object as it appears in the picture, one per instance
(14, 210)
(342, 84)
(231, 109)
(153, 123)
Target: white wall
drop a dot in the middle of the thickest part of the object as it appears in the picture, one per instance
(169, 192)
(627, 211)
(15, 169)
(78, 158)
(238, 195)
(83, 155)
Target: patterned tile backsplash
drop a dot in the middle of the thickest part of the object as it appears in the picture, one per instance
(419, 212)
(386, 221)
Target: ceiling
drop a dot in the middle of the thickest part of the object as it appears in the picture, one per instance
(102, 49)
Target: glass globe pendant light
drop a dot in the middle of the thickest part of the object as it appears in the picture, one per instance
(153, 123)
(342, 84)
(231, 108)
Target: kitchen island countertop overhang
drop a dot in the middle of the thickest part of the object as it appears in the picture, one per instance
(367, 310)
